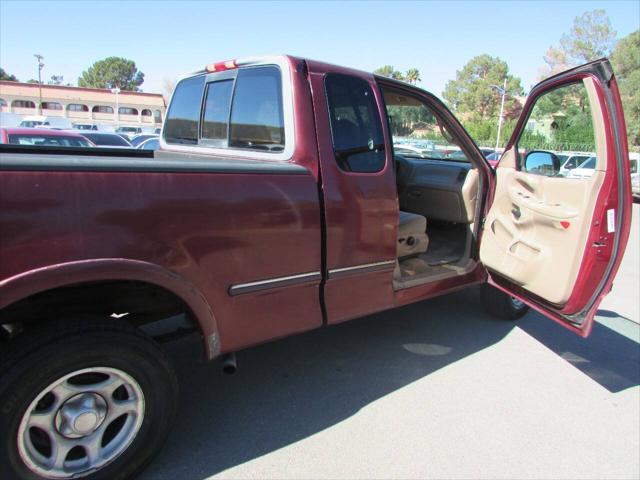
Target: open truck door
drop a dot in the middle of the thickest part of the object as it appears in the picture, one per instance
(555, 239)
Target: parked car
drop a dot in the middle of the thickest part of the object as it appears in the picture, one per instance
(138, 139)
(85, 126)
(107, 140)
(42, 137)
(152, 143)
(274, 210)
(569, 161)
(584, 169)
(493, 158)
(129, 132)
(411, 151)
(32, 121)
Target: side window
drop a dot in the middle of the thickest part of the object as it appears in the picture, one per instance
(184, 113)
(215, 119)
(356, 129)
(257, 119)
(558, 139)
(417, 132)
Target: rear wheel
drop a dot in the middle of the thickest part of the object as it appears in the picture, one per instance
(88, 400)
(501, 305)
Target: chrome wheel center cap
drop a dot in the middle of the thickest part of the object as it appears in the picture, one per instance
(81, 415)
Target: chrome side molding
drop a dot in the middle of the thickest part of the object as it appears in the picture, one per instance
(360, 269)
(241, 288)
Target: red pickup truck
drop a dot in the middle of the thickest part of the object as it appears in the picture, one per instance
(276, 205)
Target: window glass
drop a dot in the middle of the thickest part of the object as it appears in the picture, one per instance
(216, 112)
(257, 120)
(356, 129)
(181, 125)
(48, 141)
(417, 132)
(107, 139)
(561, 124)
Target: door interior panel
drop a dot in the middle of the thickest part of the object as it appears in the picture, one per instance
(438, 190)
(534, 226)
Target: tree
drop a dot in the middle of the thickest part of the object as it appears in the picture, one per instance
(168, 85)
(556, 61)
(412, 75)
(626, 65)
(591, 37)
(389, 71)
(56, 80)
(32, 80)
(112, 72)
(473, 95)
(7, 76)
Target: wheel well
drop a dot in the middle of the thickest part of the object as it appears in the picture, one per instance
(150, 307)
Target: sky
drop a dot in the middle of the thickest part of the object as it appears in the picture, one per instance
(169, 38)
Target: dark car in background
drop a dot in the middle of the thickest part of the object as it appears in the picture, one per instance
(138, 139)
(109, 140)
(152, 143)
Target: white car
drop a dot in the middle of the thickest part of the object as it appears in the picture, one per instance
(569, 161)
(585, 170)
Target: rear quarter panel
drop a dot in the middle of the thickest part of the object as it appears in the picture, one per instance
(211, 229)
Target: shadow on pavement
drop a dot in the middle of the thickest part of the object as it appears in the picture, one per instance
(291, 389)
(609, 358)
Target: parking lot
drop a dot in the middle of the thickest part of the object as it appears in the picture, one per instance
(432, 390)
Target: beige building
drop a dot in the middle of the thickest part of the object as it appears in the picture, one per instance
(82, 105)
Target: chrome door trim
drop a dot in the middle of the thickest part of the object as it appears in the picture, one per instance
(249, 287)
(363, 268)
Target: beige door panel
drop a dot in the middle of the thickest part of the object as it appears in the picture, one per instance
(533, 228)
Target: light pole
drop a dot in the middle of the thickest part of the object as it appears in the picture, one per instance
(502, 90)
(40, 67)
(116, 91)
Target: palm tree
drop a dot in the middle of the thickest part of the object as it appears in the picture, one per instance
(412, 75)
(386, 71)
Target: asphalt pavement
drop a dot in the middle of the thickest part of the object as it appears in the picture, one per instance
(436, 389)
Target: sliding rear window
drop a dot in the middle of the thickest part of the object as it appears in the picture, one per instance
(181, 126)
(241, 109)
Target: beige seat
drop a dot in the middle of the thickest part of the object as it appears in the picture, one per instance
(412, 236)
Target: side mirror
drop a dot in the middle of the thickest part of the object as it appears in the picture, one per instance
(540, 162)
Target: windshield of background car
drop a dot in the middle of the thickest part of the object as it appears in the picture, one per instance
(48, 141)
(417, 132)
(107, 140)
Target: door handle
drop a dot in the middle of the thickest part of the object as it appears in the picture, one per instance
(516, 213)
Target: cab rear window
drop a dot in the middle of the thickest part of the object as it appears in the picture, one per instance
(242, 112)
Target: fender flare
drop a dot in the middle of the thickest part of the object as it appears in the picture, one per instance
(34, 281)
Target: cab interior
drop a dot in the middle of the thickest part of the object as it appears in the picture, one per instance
(438, 189)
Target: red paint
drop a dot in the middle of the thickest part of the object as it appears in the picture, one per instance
(565, 224)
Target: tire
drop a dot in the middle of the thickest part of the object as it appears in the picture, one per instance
(111, 388)
(500, 305)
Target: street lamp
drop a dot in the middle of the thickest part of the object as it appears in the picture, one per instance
(40, 67)
(503, 91)
(116, 91)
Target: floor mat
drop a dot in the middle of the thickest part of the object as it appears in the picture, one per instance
(446, 243)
